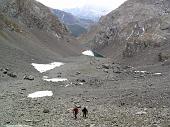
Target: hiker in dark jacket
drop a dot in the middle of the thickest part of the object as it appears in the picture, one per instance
(75, 112)
(85, 112)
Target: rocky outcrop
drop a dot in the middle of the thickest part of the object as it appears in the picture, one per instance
(33, 14)
(135, 26)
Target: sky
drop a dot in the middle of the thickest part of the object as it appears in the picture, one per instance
(64, 4)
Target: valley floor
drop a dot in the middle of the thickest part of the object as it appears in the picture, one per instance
(115, 95)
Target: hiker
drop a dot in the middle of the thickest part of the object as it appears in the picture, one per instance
(85, 112)
(75, 112)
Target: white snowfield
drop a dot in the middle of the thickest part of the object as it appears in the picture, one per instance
(55, 79)
(40, 94)
(88, 53)
(46, 67)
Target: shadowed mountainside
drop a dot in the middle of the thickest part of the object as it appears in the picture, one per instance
(33, 15)
(137, 32)
(29, 32)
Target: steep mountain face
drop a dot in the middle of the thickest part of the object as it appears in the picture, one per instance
(65, 17)
(77, 26)
(139, 29)
(29, 32)
(33, 15)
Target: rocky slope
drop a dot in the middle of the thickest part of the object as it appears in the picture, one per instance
(29, 32)
(137, 32)
(77, 26)
(33, 14)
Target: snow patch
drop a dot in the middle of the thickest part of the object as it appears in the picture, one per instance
(141, 71)
(141, 113)
(46, 67)
(55, 79)
(88, 53)
(45, 77)
(80, 83)
(40, 94)
(69, 84)
(157, 73)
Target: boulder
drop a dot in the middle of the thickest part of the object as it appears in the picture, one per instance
(46, 111)
(81, 80)
(163, 56)
(4, 70)
(78, 73)
(30, 77)
(166, 63)
(87, 100)
(165, 26)
(1, 69)
(12, 74)
(106, 66)
(116, 70)
(59, 76)
(106, 70)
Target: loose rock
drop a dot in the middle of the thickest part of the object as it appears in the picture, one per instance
(81, 80)
(106, 66)
(12, 74)
(78, 73)
(87, 100)
(30, 77)
(141, 113)
(46, 111)
(116, 70)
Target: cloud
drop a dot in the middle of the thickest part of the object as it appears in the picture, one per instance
(62, 4)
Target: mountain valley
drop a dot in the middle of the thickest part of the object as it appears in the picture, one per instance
(45, 72)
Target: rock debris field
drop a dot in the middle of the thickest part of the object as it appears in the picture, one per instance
(115, 95)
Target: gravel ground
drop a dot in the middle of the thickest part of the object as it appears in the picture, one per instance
(115, 95)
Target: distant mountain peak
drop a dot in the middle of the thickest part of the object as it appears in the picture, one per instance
(88, 12)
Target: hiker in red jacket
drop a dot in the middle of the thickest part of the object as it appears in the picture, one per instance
(75, 112)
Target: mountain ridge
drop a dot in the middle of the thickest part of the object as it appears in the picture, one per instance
(87, 12)
(77, 26)
(27, 33)
(133, 28)
(32, 14)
